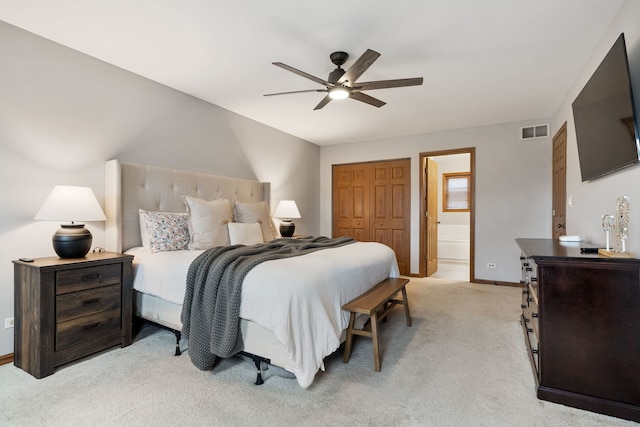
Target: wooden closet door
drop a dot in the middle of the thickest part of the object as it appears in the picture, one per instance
(351, 201)
(390, 184)
(371, 204)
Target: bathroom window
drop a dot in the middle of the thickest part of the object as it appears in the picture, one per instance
(456, 192)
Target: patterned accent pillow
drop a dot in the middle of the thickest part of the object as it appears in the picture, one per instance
(167, 231)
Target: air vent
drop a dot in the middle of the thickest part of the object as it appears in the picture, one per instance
(533, 132)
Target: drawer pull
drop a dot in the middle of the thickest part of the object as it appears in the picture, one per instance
(523, 306)
(530, 330)
(534, 350)
(90, 277)
(535, 314)
(92, 326)
(90, 301)
(529, 299)
(526, 320)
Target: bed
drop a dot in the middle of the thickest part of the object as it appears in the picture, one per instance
(330, 277)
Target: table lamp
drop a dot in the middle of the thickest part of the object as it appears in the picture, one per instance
(286, 210)
(71, 203)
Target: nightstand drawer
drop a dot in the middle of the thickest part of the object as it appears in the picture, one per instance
(87, 328)
(77, 304)
(86, 278)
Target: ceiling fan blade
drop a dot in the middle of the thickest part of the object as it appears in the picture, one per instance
(359, 67)
(303, 74)
(295, 91)
(324, 102)
(386, 84)
(359, 96)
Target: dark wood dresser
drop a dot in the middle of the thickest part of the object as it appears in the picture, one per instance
(66, 309)
(581, 323)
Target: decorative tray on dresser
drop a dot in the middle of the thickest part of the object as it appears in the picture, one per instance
(581, 323)
(66, 309)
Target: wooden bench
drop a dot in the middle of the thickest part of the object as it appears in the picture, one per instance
(376, 303)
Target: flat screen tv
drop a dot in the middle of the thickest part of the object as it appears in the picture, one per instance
(605, 119)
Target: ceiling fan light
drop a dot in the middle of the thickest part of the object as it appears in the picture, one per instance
(338, 93)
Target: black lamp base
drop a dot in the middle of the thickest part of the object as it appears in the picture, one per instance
(287, 228)
(72, 241)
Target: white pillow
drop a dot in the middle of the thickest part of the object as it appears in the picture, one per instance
(256, 212)
(245, 234)
(208, 222)
(166, 231)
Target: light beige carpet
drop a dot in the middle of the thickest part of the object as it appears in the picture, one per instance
(462, 363)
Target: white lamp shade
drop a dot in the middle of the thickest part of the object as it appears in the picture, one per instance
(287, 209)
(71, 203)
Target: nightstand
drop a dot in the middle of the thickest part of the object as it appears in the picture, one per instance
(66, 309)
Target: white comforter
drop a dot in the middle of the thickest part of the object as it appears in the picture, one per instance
(298, 299)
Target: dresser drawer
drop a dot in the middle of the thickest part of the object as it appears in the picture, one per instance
(86, 278)
(529, 275)
(87, 328)
(77, 304)
(531, 314)
(534, 348)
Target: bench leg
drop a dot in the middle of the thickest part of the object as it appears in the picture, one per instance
(376, 345)
(349, 339)
(405, 300)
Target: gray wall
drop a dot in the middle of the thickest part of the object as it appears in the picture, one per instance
(590, 200)
(513, 179)
(63, 114)
(513, 182)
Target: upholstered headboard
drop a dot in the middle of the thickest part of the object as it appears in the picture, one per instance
(130, 187)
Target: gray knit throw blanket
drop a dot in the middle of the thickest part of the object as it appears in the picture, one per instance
(211, 309)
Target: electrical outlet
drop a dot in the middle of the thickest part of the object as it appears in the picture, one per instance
(491, 265)
(8, 323)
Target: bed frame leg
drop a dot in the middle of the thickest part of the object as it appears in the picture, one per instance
(258, 361)
(178, 336)
(259, 379)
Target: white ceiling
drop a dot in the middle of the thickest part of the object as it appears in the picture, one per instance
(483, 62)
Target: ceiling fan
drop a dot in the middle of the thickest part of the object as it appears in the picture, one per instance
(342, 84)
